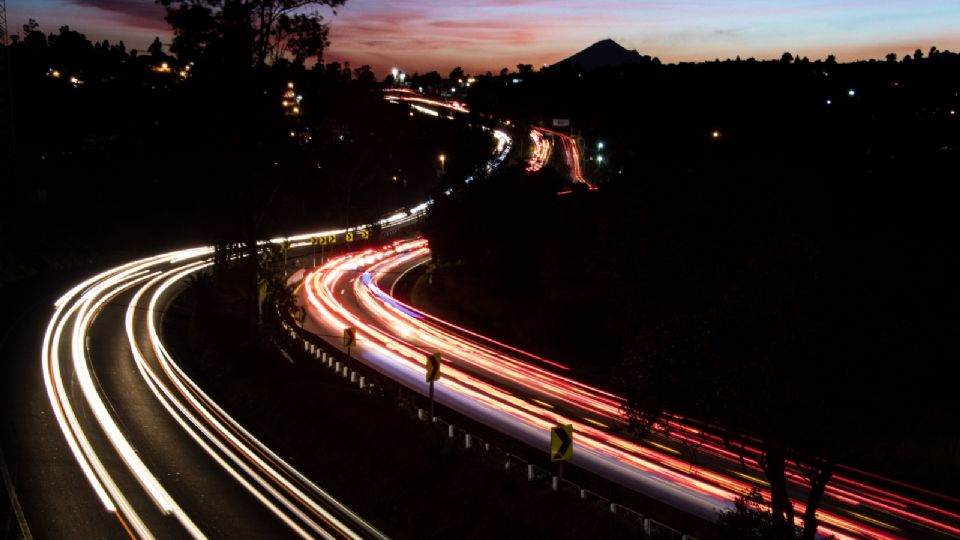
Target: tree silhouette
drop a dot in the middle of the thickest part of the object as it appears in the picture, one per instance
(252, 33)
(156, 48)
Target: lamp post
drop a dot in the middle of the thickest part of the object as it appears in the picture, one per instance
(443, 161)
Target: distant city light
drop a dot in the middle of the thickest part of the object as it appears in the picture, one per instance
(600, 159)
(290, 85)
(452, 89)
(851, 92)
(600, 145)
(394, 72)
(715, 134)
(829, 102)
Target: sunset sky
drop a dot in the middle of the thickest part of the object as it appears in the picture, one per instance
(481, 35)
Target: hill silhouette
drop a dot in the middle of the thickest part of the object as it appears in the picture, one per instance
(604, 53)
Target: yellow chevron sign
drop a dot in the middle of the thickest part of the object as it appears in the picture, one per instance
(561, 442)
(349, 337)
(433, 367)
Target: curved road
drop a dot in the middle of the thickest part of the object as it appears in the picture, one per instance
(523, 395)
(141, 450)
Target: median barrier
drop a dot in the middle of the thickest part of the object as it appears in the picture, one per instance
(331, 356)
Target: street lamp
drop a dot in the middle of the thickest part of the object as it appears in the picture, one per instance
(394, 72)
(600, 145)
(443, 161)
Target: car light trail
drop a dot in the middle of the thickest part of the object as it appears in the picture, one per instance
(395, 338)
(571, 153)
(540, 154)
(407, 95)
(306, 509)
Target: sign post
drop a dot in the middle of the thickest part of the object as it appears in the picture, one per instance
(349, 340)
(433, 374)
(561, 445)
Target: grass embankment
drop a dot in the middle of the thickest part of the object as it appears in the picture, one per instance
(408, 479)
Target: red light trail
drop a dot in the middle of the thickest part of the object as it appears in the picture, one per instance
(534, 394)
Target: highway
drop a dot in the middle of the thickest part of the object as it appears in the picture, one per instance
(542, 139)
(107, 437)
(142, 451)
(522, 395)
(113, 439)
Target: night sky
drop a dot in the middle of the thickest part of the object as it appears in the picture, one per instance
(481, 35)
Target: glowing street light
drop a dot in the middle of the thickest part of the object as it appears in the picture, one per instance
(395, 72)
(443, 161)
(715, 134)
(600, 145)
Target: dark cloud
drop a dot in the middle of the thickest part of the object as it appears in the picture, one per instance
(141, 13)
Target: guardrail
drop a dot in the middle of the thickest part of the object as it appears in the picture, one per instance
(370, 381)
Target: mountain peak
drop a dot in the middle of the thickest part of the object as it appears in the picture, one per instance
(606, 52)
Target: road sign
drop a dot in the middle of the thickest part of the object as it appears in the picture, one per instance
(433, 367)
(561, 442)
(561, 122)
(301, 314)
(349, 237)
(349, 337)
